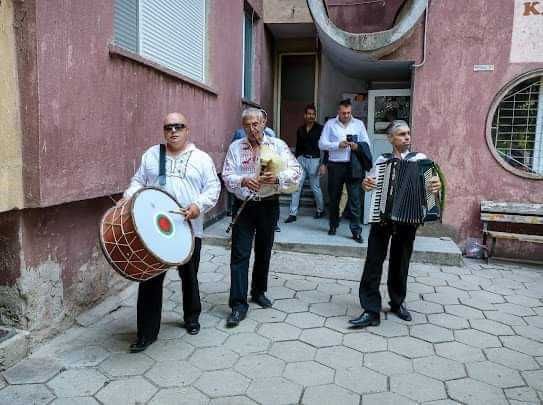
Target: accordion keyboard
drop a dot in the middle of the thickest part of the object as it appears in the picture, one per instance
(378, 197)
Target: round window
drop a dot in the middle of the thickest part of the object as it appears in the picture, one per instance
(515, 126)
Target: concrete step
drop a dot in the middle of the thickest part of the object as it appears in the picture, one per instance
(14, 346)
(308, 235)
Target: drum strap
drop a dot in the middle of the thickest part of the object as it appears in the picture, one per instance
(162, 165)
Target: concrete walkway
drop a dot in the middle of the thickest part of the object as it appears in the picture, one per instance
(476, 338)
(308, 235)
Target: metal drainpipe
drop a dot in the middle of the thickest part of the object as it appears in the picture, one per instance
(417, 65)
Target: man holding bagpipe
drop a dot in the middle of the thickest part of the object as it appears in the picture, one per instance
(405, 188)
(256, 169)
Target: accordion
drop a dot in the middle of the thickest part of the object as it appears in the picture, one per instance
(401, 194)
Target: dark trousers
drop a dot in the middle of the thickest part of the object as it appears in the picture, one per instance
(403, 237)
(256, 221)
(150, 297)
(338, 175)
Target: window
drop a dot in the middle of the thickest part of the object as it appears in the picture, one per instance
(515, 135)
(248, 55)
(169, 32)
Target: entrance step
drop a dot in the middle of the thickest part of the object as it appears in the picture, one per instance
(308, 235)
(14, 346)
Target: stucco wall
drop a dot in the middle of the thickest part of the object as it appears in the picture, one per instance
(11, 180)
(451, 104)
(356, 17)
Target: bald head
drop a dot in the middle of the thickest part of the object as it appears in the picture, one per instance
(176, 132)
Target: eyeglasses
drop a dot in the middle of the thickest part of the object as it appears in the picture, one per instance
(174, 127)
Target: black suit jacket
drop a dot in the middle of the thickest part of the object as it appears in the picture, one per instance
(361, 161)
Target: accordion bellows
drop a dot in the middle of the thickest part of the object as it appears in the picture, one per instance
(401, 194)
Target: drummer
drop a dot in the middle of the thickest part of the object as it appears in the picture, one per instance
(191, 178)
(242, 177)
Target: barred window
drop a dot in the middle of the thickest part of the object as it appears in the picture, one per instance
(169, 32)
(516, 132)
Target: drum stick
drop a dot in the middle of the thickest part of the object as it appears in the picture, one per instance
(235, 219)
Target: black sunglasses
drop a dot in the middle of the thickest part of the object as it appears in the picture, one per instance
(174, 127)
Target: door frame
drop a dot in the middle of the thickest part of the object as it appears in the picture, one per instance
(277, 85)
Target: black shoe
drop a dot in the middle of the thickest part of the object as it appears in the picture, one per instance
(319, 215)
(291, 218)
(277, 229)
(261, 300)
(402, 313)
(140, 345)
(365, 320)
(235, 318)
(332, 230)
(358, 238)
(192, 328)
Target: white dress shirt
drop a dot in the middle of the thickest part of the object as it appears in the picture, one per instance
(190, 177)
(335, 131)
(243, 161)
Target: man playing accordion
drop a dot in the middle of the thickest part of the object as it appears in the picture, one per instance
(256, 169)
(401, 235)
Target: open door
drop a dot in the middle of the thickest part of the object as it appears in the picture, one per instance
(384, 106)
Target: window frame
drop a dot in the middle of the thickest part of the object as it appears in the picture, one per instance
(498, 98)
(248, 11)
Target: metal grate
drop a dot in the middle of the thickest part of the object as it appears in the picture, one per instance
(517, 125)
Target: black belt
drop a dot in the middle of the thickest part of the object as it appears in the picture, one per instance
(339, 163)
(258, 199)
(311, 156)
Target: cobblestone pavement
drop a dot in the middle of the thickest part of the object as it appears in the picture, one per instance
(476, 338)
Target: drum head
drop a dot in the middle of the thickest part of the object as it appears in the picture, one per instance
(166, 234)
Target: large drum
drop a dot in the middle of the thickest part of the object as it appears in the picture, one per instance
(146, 235)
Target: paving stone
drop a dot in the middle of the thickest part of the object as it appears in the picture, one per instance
(464, 311)
(464, 285)
(470, 391)
(534, 379)
(410, 347)
(448, 321)
(361, 380)
(305, 320)
(173, 373)
(301, 285)
(275, 391)
(179, 396)
(425, 307)
(313, 297)
(329, 395)
(441, 298)
(420, 288)
(235, 400)
(77, 383)
(530, 332)
(390, 329)
(439, 368)
(293, 351)
(339, 357)
(431, 281)
(523, 345)
(266, 315)
(487, 296)
(459, 352)
(279, 331)
(75, 401)
(33, 370)
(291, 305)
(522, 394)
(494, 374)
(321, 337)
(417, 318)
(83, 356)
(477, 304)
(35, 394)
(388, 363)
(365, 342)
(476, 338)
(244, 343)
(213, 358)
(386, 398)
(514, 309)
(333, 288)
(206, 338)
(340, 324)
(492, 327)
(255, 365)
(522, 300)
(171, 349)
(432, 333)
(308, 373)
(535, 320)
(130, 391)
(417, 387)
(508, 319)
(126, 364)
(279, 292)
(328, 309)
(511, 358)
(222, 383)
(246, 326)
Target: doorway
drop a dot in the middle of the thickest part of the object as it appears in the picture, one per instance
(297, 87)
(384, 106)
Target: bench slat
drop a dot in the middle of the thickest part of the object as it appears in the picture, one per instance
(520, 219)
(512, 208)
(516, 236)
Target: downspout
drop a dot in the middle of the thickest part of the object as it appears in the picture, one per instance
(417, 65)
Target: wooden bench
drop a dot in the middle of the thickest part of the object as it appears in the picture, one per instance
(509, 213)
